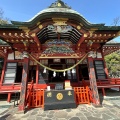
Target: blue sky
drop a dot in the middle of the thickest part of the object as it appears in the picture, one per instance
(95, 11)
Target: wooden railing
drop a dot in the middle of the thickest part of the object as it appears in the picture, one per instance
(12, 86)
(82, 95)
(9, 86)
(107, 83)
(104, 83)
(29, 90)
(36, 99)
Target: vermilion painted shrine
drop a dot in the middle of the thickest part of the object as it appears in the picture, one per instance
(56, 45)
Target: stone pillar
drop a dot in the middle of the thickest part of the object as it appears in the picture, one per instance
(22, 102)
(93, 83)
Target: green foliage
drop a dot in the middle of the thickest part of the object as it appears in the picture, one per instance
(3, 21)
(113, 64)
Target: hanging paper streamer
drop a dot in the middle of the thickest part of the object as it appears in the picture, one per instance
(44, 70)
(64, 73)
(73, 70)
(54, 74)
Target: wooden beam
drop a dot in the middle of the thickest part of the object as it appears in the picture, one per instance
(15, 37)
(80, 41)
(5, 37)
(58, 36)
(34, 36)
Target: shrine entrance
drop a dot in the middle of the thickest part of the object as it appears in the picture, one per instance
(57, 76)
(83, 72)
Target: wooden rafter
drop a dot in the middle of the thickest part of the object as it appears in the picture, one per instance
(15, 35)
(108, 49)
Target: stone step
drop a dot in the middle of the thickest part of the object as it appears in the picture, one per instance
(111, 98)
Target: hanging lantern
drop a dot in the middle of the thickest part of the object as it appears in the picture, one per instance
(54, 74)
(44, 71)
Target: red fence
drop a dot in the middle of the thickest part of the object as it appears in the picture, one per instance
(36, 98)
(82, 95)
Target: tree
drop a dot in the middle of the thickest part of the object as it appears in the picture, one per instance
(113, 64)
(116, 21)
(113, 60)
(2, 19)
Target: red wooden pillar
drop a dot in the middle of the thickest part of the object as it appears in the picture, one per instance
(9, 97)
(77, 72)
(3, 70)
(37, 74)
(93, 83)
(24, 84)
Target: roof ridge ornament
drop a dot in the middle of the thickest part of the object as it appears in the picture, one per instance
(59, 4)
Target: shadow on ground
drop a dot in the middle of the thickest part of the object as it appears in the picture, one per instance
(4, 117)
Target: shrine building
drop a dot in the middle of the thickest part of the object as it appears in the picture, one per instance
(56, 50)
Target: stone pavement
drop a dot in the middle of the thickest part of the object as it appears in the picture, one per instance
(4, 105)
(109, 111)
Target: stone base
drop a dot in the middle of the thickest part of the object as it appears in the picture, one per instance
(20, 112)
(54, 106)
(97, 106)
(59, 99)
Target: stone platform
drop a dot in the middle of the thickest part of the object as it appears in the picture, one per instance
(110, 110)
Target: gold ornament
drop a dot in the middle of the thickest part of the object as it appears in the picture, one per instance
(69, 93)
(59, 4)
(78, 27)
(85, 35)
(59, 96)
(49, 94)
(40, 26)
